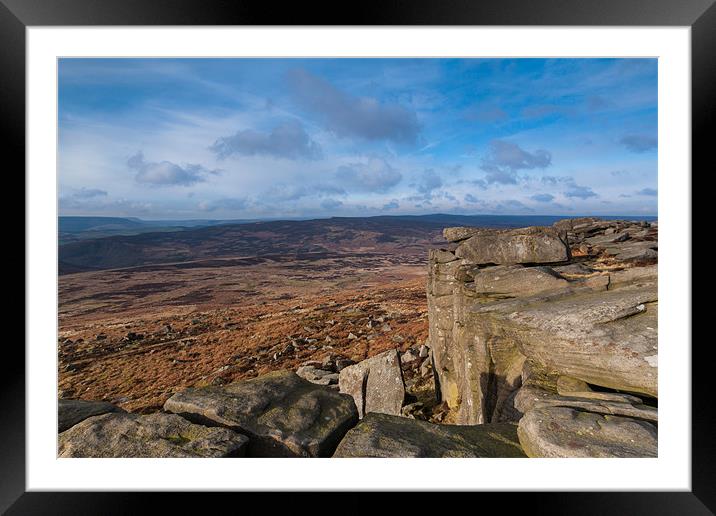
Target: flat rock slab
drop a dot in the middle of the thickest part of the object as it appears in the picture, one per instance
(614, 404)
(71, 412)
(158, 435)
(376, 384)
(458, 234)
(569, 432)
(508, 247)
(317, 376)
(516, 280)
(383, 435)
(283, 414)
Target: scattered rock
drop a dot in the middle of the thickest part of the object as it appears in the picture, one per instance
(383, 435)
(317, 376)
(409, 356)
(283, 414)
(154, 435)
(412, 409)
(426, 368)
(329, 364)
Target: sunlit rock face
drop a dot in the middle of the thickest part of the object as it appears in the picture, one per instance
(509, 308)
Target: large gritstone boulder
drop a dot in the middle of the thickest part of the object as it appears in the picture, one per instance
(376, 384)
(506, 247)
(154, 435)
(382, 435)
(570, 432)
(283, 414)
(71, 412)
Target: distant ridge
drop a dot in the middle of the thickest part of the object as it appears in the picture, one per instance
(382, 234)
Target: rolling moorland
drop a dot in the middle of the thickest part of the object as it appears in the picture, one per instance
(144, 314)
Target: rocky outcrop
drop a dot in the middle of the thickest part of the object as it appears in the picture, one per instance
(376, 384)
(579, 300)
(570, 432)
(115, 435)
(282, 414)
(71, 412)
(383, 435)
(506, 247)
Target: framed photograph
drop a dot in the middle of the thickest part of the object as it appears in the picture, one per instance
(410, 249)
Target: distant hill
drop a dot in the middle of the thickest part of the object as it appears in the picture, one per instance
(277, 239)
(79, 224)
(72, 229)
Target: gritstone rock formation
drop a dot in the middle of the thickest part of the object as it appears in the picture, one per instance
(511, 312)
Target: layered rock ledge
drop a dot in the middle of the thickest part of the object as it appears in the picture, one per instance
(513, 311)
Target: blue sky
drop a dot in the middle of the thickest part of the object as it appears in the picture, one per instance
(264, 138)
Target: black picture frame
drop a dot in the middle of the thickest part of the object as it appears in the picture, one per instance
(700, 15)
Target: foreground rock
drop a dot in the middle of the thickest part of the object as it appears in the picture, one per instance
(383, 435)
(569, 432)
(376, 384)
(71, 412)
(115, 435)
(586, 310)
(283, 414)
